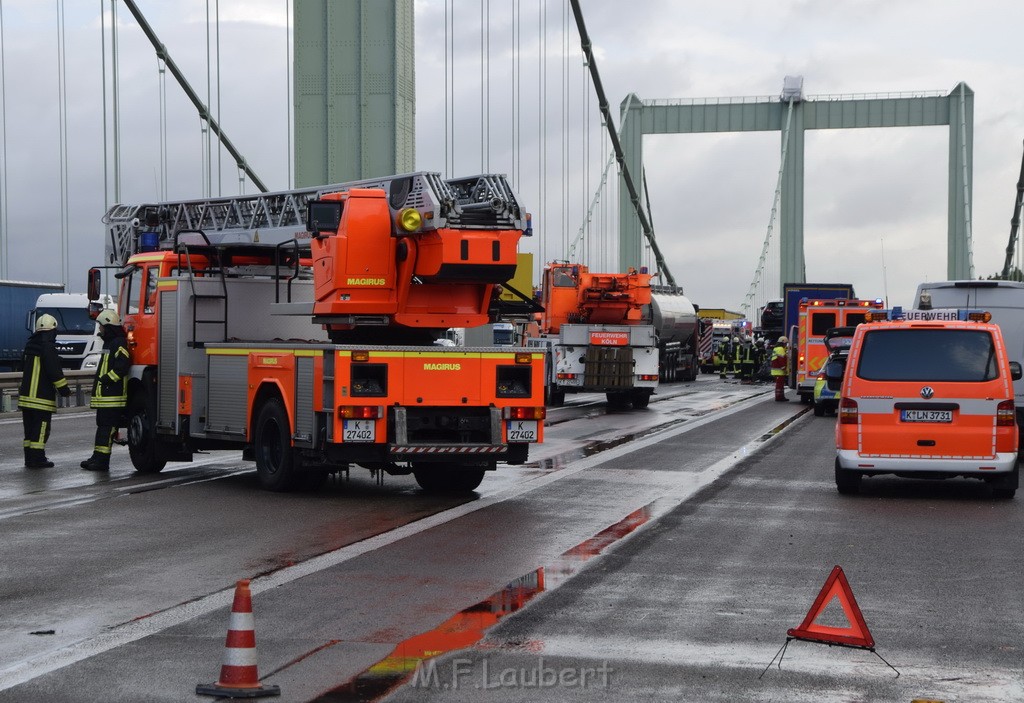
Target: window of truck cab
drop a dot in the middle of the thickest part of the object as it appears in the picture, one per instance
(928, 355)
(128, 303)
(152, 273)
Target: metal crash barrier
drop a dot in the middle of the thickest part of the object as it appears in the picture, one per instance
(80, 383)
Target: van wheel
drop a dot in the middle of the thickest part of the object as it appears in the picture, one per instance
(819, 410)
(1005, 488)
(847, 482)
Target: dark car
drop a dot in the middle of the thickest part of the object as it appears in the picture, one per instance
(771, 316)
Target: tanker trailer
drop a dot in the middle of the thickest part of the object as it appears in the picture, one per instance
(675, 327)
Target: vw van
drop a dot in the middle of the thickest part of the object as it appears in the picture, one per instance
(928, 400)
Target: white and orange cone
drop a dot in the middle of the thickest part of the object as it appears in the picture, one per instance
(239, 677)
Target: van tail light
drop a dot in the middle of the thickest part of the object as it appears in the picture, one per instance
(847, 412)
(1005, 414)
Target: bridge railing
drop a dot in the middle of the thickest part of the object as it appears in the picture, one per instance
(80, 383)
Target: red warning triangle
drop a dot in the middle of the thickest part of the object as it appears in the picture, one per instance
(856, 635)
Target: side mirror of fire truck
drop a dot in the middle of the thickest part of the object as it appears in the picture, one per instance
(1016, 373)
(323, 217)
(93, 289)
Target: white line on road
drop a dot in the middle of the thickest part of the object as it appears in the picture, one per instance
(126, 633)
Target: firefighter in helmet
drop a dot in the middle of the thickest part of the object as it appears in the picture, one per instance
(110, 389)
(779, 368)
(41, 380)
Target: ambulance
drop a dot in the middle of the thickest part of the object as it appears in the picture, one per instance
(927, 399)
(816, 316)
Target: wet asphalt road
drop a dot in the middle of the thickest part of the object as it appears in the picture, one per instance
(690, 606)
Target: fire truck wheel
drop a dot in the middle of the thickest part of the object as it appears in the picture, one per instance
(275, 458)
(436, 479)
(142, 441)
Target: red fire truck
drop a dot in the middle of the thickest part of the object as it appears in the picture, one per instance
(299, 326)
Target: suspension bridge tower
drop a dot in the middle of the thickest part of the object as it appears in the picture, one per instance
(354, 89)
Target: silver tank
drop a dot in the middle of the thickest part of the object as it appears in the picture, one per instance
(673, 317)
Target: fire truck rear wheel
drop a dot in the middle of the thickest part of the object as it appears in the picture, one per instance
(276, 464)
(142, 441)
(435, 479)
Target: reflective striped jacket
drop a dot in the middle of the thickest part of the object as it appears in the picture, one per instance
(110, 388)
(42, 374)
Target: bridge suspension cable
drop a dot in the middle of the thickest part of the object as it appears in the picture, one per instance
(4, 248)
(756, 290)
(645, 224)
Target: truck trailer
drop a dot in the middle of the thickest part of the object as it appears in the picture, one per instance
(17, 301)
(612, 333)
(299, 327)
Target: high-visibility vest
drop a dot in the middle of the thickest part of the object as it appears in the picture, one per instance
(779, 361)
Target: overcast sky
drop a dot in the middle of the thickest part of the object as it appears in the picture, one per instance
(875, 199)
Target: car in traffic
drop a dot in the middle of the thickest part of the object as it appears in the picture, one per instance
(826, 395)
(927, 399)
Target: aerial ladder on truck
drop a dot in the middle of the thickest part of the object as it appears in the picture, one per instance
(298, 326)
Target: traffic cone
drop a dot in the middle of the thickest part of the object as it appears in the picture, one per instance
(238, 675)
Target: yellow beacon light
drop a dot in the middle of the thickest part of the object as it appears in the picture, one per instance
(410, 219)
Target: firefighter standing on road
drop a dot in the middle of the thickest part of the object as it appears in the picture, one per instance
(110, 389)
(779, 363)
(41, 380)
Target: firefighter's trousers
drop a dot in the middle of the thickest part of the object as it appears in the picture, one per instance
(37, 431)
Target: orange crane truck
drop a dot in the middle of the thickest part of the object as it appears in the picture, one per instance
(600, 334)
(299, 326)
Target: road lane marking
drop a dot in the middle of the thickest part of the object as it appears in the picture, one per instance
(154, 623)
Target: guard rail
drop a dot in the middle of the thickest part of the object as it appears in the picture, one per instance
(80, 383)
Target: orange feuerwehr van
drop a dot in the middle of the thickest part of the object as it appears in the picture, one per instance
(928, 400)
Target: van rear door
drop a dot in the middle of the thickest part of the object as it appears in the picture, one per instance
(929, 391)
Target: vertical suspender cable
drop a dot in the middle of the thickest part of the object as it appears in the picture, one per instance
(452, 170)
(750, 303)
(4, 238)
(103, 69)
(161, 69)
(487, 85)
(207, 144)
(288, 84)
(602, 100)
(447, 97)
(62, 142)
(543, 119)
(219, 118)
(483, 91)
(565, 130)
(115, 102)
